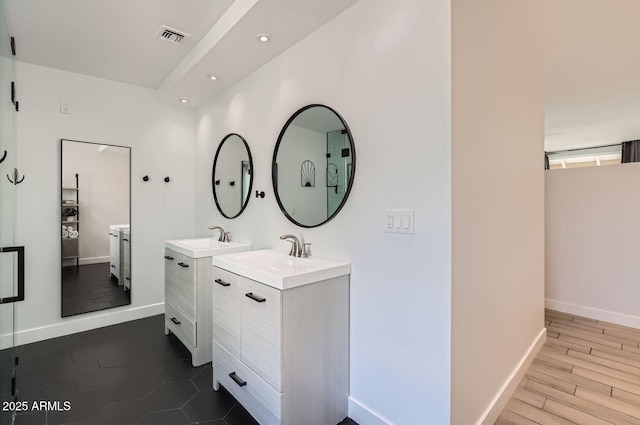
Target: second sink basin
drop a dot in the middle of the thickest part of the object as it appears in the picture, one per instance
(280, 270)
(206, 247)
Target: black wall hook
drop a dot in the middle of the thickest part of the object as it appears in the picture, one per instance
(232, 183)
(15, 180)
(145, 178)
(217, 182)
(259, 194)
(167, 179)
(4, 156)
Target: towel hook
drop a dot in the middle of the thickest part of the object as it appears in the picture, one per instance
(15, 180)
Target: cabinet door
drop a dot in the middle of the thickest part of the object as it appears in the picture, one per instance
(261, 331)
(169, 266)
(226, 310)
(180, 284)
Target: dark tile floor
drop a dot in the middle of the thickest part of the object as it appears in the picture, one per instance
(126, 374)
(90, 288)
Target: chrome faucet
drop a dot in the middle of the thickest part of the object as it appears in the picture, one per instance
(223, 235)
(295, 244)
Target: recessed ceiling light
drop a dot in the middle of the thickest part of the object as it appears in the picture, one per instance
(263, 37)
(212, 77)
(183, 100)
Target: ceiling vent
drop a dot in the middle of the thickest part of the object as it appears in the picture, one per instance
(171, 35)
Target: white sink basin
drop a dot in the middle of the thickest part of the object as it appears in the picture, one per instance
(206, 247)
(277, 269)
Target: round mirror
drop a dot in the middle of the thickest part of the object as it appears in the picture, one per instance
(313, 166)
(232, 175)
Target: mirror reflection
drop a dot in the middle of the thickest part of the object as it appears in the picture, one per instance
(313, 166)
(232, 175)
(96, 236)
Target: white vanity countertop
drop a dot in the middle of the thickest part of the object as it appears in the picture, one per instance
(280, 270)
(206, 247)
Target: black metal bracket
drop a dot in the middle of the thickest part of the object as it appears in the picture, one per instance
(4, 156)
(20, 296)
(13, 96)
(259, 194)
(15, 180)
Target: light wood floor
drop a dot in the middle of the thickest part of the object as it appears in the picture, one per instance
(587, 373)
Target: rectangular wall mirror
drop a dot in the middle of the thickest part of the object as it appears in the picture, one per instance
(95, 225)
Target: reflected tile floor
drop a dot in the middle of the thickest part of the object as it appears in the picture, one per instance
(125, 374)
(90, 287)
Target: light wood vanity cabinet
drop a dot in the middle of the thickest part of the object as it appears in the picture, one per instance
(284, 354)
(186, 281)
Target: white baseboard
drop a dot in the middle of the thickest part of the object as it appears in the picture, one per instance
(511, 384)
(364, 415)
(80, 323)
(94, 260)
(593, 313)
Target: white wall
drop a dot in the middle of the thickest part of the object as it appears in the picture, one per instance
(498, 203)
(161, 140)
(306, 205)
(384, 66)
(592, 235)
(103, 175)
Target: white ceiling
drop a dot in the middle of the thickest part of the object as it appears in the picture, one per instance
(115, 39)
(592, 54)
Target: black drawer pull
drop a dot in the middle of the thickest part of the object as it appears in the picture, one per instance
(237, 380)
(127, 278)
(113, 266)
(126, 240)
(183, 265)
(222, 282)
(174, 320)
(255, 297)
(167, 257)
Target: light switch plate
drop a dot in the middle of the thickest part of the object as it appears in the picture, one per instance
(398, 221)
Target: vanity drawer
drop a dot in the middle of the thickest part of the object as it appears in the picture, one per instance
(226, 310)
(180, 325)
(115, 270)
(258, 397)
(260, 330)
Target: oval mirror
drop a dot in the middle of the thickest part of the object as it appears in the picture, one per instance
(313, 166)
(232, 175)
